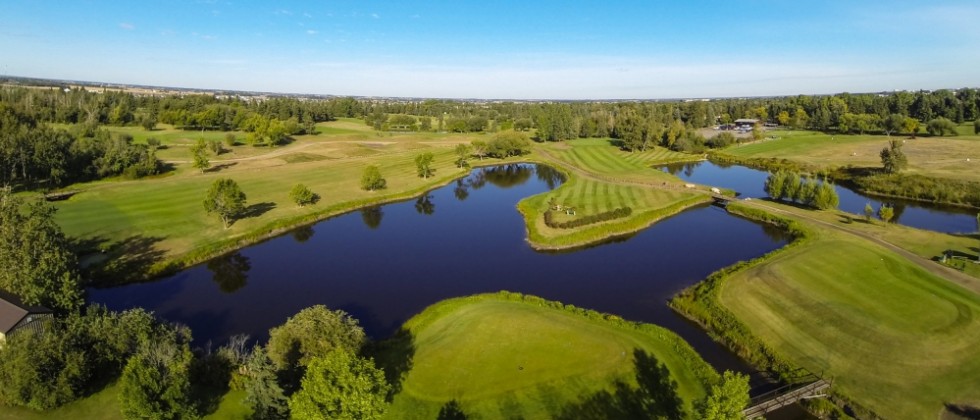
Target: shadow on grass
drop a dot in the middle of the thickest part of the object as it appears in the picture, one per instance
(654, 396)
(963, 411)
(258, 209)
(221, 167)
(107, 264)
(451, 411)
(395, 356)
(210, 375)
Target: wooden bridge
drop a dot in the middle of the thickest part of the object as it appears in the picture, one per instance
(810, 386)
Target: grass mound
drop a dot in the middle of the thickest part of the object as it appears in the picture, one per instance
(506, 355)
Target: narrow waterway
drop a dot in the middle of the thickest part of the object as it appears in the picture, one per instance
(750, 182)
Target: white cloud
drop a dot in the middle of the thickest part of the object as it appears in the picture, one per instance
(375, 15)
(127, 26)
(311, 32)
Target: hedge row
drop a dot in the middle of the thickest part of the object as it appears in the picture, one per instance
(549, 218)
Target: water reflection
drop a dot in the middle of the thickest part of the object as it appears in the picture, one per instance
(424, 205)
(372, 216)
(230, 271)
(550, 176)
(508, 176)
(750, 182)
(302, 234)
(461, 192)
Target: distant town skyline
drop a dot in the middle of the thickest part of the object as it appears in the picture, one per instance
(499, 50)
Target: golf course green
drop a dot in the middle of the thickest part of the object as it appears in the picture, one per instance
(508, 355)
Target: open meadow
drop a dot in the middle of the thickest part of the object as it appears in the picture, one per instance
(944, 157)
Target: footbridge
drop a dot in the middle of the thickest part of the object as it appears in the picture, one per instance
(809, 386)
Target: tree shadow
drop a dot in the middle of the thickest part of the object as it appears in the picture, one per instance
(220, 167)
(210, 376)
(395, 356)
(451, 411)
(654, 396)
(120, 262)
(230, 271)
(963, 411)
(258, 209)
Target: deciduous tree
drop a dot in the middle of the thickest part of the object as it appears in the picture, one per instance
(372, 180)
(885, 213)
(726, 399)
(893, 159)
(301, 195)
(36, 258)
(341, 385)
(225, 199)
(423, 164)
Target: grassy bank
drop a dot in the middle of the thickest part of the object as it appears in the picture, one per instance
(507, 355)
(896, 339)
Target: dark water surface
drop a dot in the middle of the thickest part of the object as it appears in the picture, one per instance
(385, 264)
(750, 182)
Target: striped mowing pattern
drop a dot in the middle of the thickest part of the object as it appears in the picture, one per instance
(589, 196)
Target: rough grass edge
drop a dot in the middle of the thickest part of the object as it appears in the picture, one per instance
(699, 303)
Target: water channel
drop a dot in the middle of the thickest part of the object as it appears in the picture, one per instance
(385, 264)
(750, 182)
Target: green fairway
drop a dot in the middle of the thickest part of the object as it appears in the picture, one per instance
(895, 338)
(510, 356)
(949, 157)
(602, 179)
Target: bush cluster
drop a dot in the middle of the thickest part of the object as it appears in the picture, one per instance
(792, 186)
(549, 218)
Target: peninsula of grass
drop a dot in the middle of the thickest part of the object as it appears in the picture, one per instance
(602, 179)
(895, 338)
(507, 355)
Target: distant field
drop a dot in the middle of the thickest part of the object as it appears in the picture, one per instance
(500, 358)
(895, 338)
(949, 157)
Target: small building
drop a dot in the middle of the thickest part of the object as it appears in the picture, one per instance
(16, 316)
(743, 123)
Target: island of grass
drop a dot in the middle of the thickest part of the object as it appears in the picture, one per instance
(507, 355)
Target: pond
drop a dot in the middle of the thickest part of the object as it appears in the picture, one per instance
(750, 182)
(385, 264)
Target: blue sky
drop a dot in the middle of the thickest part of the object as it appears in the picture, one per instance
(500, 49)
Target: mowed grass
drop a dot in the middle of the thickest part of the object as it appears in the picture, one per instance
(163, 218)
(604, 178)
(894, 337)
(600, 157)
(504, 358)
(949, 157)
